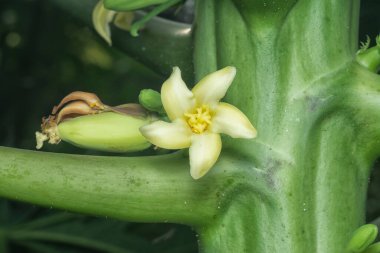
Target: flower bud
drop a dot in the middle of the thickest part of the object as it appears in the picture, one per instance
(151, 100)
(362, 238)
(374, 248)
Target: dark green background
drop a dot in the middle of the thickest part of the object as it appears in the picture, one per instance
(44, 55)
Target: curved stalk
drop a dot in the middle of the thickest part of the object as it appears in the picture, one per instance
(162, 44)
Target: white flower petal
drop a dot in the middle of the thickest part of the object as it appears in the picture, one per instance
(175, 135)
(204, 151)
(101, 19)
(176, 97)
(214, 86)
(230, 120)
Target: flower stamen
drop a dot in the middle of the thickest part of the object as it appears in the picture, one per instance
(199, 120)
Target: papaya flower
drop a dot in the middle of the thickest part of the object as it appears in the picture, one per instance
(198, 118)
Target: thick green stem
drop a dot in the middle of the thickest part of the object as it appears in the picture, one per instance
(136, 189)
(147, 189)
(294, 67)
(205, 41)
(363, 100)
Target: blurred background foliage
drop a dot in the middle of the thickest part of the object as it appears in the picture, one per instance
(44, 55)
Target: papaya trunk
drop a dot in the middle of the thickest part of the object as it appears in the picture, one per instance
(295, 64)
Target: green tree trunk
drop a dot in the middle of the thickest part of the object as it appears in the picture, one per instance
(295, 72)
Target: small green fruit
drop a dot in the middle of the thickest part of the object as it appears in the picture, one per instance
(107, 131)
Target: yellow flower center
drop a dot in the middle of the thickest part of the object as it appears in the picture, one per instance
(199, 120)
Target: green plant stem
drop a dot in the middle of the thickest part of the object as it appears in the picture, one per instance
(295, 73)
(136, 189)
(136, 26)
(145, 189)
(205, 39)
(121, 5)
(363, 100)
(162, 44)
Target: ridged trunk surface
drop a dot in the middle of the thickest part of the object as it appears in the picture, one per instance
(294, 62)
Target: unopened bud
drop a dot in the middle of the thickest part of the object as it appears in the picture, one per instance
(362, 238)
(151, 100)
(374, 248)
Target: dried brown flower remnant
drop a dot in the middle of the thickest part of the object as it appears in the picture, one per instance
(75, 109)
(77, 103)
(91, 99)
(49, 132)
